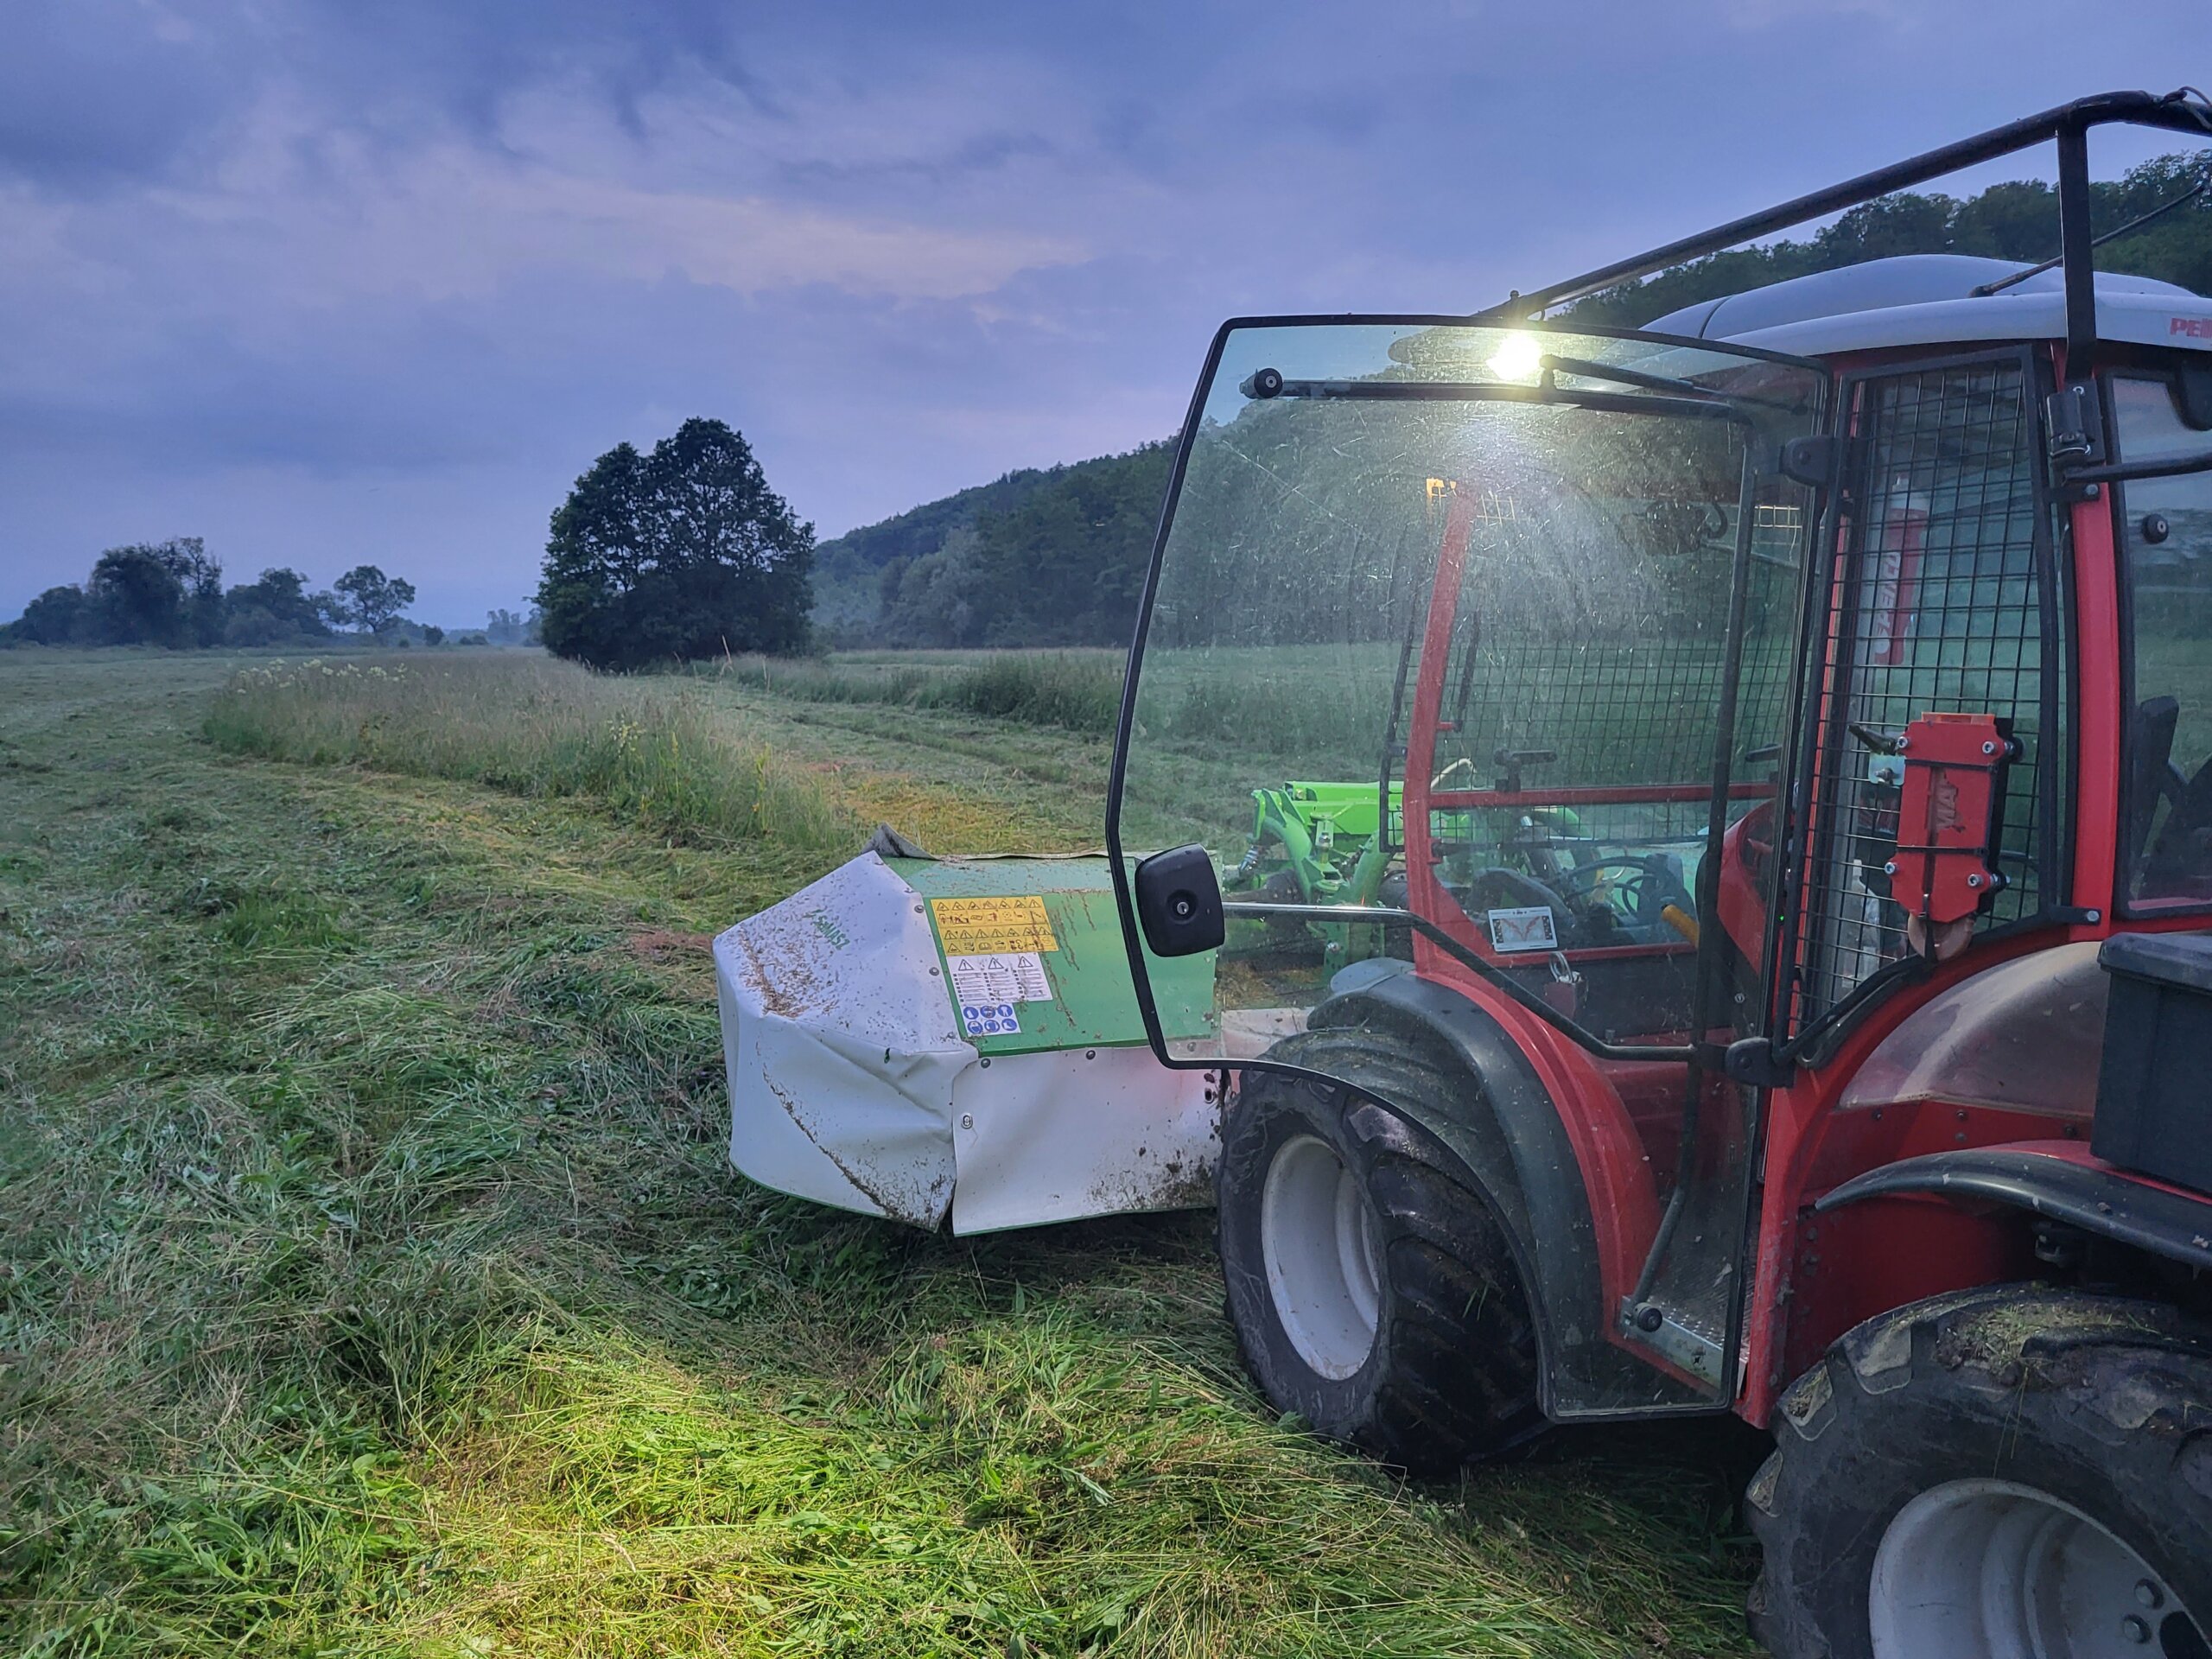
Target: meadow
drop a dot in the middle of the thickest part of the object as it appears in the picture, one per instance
(374, 1280)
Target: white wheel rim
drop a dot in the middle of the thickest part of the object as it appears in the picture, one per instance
(1990, 1567)
(1316, 1237)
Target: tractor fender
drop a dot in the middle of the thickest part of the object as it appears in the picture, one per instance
(2056, 1184)
(1506, 1129)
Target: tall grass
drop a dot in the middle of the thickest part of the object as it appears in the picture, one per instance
(1077, 691)
(646, 751)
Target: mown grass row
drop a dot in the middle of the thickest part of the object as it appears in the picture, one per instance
(533, 726)
(373, 1282)
(1077, 691)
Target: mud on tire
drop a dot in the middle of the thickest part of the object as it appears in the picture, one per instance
(2097, 1407)
(1451, 1370)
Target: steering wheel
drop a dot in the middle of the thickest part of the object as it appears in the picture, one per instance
(1652, 886)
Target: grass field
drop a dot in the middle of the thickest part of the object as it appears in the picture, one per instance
(373, 1282)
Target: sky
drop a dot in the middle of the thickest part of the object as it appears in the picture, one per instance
(372, 281)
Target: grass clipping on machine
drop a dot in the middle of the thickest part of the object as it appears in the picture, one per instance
(642, 749)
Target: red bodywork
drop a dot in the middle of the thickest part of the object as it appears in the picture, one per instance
(1815, 1276)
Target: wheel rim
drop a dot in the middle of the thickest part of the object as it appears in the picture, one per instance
(1976, 1567)
(1316, 1237)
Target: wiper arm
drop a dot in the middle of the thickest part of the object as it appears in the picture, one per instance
(1621, 374)
(1265, 384)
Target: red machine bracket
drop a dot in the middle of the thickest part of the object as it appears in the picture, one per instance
(1948, 826)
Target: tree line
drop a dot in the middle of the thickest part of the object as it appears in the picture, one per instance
(171, 593)
(2016, 220)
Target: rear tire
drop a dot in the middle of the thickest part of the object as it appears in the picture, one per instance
(2002, 1472)
(1371, 1287)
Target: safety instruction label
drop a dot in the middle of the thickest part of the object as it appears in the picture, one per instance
(990, 1019)
(1011, 976)
(986, 927)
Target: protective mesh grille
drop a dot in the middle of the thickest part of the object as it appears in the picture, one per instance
(1936, 604)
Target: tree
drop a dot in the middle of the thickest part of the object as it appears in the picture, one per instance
(54, 618)
(136, 598)
(272, 611)
(681, 554)
(373, 600)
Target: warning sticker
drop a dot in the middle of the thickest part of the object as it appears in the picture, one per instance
(1014, 976)
(985, 927)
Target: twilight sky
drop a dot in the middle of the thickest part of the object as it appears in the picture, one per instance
(374, 280)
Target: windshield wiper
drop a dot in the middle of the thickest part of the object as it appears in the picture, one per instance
(1621, 374)
(1265, 384)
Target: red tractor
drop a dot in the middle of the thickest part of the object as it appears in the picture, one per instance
(1791, 990)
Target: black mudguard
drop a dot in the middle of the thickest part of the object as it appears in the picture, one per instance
(2104, 1203)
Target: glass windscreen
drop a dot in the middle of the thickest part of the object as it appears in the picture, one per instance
(1557, 691)
(1450, 625)
(2166, 543)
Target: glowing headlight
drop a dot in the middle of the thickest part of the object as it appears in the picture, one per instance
(1516, 358)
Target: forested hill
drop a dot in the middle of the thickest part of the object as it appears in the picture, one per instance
(2017, 221)
(1053, 556)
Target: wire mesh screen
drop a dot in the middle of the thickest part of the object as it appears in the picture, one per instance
(1936, 604)
(1619, 688)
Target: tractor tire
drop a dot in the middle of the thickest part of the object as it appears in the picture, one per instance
(1371, 1287)
(1994, 1473)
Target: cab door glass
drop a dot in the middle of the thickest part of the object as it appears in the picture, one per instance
(2166, 551)
(1433, 671)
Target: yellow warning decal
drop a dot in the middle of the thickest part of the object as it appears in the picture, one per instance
(991, 927)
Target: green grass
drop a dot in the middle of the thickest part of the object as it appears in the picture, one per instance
(532, 725)
(373, 1281)
(1078, 690)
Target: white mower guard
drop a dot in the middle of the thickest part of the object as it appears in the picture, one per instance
(852, 1085)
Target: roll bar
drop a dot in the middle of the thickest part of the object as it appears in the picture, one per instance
(2185, 110)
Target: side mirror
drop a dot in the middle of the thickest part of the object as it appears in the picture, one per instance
(2193, 394)
(1178, 901)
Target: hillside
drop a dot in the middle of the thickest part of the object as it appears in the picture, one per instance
(1051, 556)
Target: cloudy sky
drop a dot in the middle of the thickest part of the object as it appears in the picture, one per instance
(373, 280)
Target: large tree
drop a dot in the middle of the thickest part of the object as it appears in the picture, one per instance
(683, 553)
(373, 600)
(275, 610)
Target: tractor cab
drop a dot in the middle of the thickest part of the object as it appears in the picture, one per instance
(1687, 798)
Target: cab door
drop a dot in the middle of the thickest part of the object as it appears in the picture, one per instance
(1467, 656)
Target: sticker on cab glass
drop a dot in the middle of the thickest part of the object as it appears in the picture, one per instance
(990, 927)
(1523, 928)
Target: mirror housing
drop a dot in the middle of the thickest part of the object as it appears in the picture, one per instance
(1178, 901)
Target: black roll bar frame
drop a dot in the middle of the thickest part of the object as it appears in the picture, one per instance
(2182, 110)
